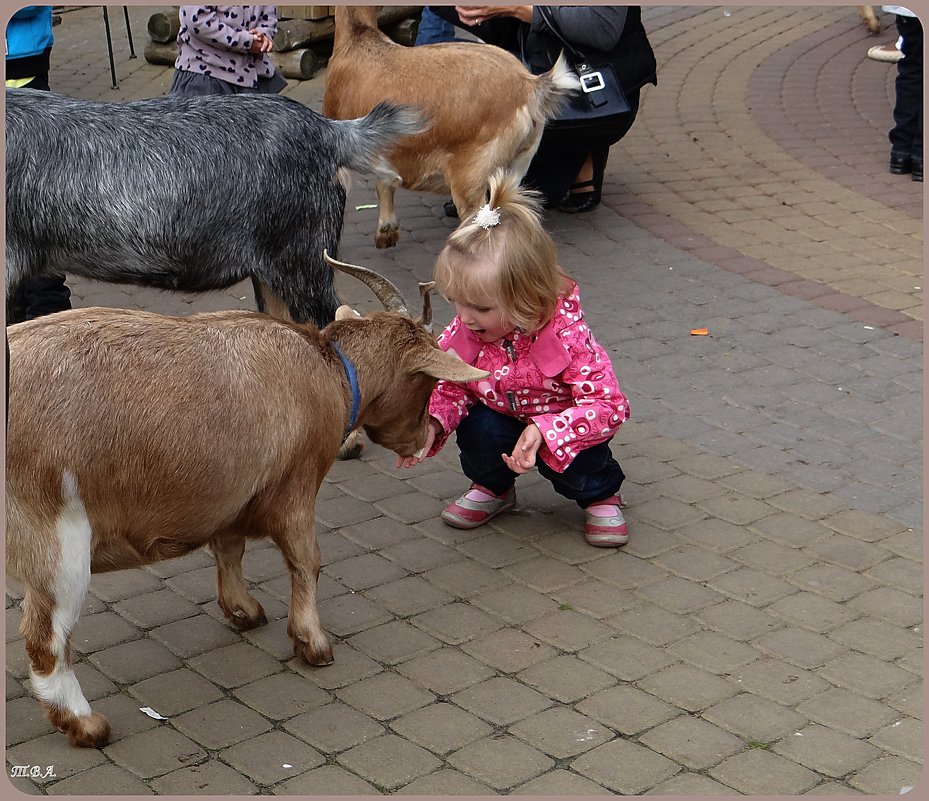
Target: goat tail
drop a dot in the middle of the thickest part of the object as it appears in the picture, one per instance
(365, 140)
(554, 86)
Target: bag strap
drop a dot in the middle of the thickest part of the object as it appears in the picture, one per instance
(548, 18)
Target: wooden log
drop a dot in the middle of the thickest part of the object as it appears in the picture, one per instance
(164, 27)
(303, 12)
(294, 33)
(403, 32)
(161, 52)
(300, 65)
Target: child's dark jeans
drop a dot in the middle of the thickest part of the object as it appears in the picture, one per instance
(484, 434)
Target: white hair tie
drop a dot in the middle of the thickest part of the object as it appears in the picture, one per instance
(487, 217)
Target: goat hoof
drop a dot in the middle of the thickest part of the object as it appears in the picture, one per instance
(242, 618)
(246, 623)
(87, 731)
(319, 654)
(386, 239)
(351, 450)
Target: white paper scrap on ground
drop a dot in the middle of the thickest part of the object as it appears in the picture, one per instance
(151, 713)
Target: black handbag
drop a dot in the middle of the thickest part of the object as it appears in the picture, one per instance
(600, 103)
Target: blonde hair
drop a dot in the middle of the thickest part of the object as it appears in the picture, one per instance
(512, 263)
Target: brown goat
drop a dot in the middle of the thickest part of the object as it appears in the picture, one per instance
(487, 110)
(135, 437)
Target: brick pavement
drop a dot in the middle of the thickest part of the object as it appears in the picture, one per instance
(760, 633)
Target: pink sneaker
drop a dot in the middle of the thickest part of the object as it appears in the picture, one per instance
(605, 526)
(477, 506)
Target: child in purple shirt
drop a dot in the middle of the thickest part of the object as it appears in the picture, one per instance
(551, 400)
(224, 50)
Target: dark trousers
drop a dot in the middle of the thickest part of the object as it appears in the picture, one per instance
(906, 136)
(561, 155)
(484, 434)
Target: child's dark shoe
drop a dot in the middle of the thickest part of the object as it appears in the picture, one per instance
(605, 526)
(477, 506)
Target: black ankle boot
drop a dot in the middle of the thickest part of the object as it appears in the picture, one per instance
(917, 169)
(901, 163)
(579, 202)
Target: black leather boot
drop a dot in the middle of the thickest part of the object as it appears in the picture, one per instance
(900, 163)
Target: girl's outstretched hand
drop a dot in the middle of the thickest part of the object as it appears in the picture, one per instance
(522, 460)
(409, 461)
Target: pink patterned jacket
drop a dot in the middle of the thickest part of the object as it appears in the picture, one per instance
(559, 378)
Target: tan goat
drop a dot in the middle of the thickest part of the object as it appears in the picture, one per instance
(487, 110)
(135, 437)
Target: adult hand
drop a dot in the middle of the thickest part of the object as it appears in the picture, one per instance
(474, 15)
(409, 461)
(522, 460)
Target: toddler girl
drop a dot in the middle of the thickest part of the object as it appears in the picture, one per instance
(551, 400)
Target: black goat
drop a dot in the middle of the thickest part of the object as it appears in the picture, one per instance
(188, 193)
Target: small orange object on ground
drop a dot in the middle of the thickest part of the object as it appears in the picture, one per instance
(699, 332)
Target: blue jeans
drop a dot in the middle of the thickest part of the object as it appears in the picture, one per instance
(433, 29)
(484, 434)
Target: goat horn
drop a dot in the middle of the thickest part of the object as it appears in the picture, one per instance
(425, 289)
(386, 292)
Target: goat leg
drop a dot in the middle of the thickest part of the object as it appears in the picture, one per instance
(388, 228)
(243, 611)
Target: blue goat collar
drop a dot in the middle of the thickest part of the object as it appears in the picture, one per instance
(352, 377)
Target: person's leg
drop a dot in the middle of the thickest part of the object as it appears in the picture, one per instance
(433, 29)
(45, 294)
(593, 476)
(906, 134)
(481, 437)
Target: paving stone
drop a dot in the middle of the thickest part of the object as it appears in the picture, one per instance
(365, 571)
(811, 612)
(496, 551)
(779, 681)
(832, 788)
(694, 743)
(394, 642)
(509, 650)
(385, 696)
(565, 678)
(175, 692)
(649, 541)
(441, 728)
(680, 595)
(348, 667)
(456, 623)
(719, 535)
(272, 757)
(282, 696)
(466, 579)
(334, 727)
(687, 687)
(754, 719)
(516, 604)
(627, 709)
(195, 635)
(500, 762)
(903, 574)
(886, 776)
(102, 780)
(866, 674)
(847, 712)
(389, 761)
(847, 552)
(124, 715)
(348, 614)
(626, 658)
(760, 771)
(862, 525)
(735, 508)
(134, 661)
(738, 620)
(624, 570)
(561, 783)
(25, 720)
(96, 632)
(545, 574)
(877, 637)
(408, 596)
(561, 733)
(790, 529)
(446, 670)
(690, 784)
(624, 767)
(209, 778)
(594, 598)
(221, 724)
(198, 586)
(826, 751)
(182, 564)
(446, 782)
(903, 737)
(420, 555)
(714, 652)
(668, 514)
(501, 701)
(155, 608)
(120, 584)
(800, 647)
(836, 583)
(568, 630)
(155, 752)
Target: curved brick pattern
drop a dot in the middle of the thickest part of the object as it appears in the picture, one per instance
(760, 633)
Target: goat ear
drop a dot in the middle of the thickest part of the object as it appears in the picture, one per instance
(447, 366)
(346, 313)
